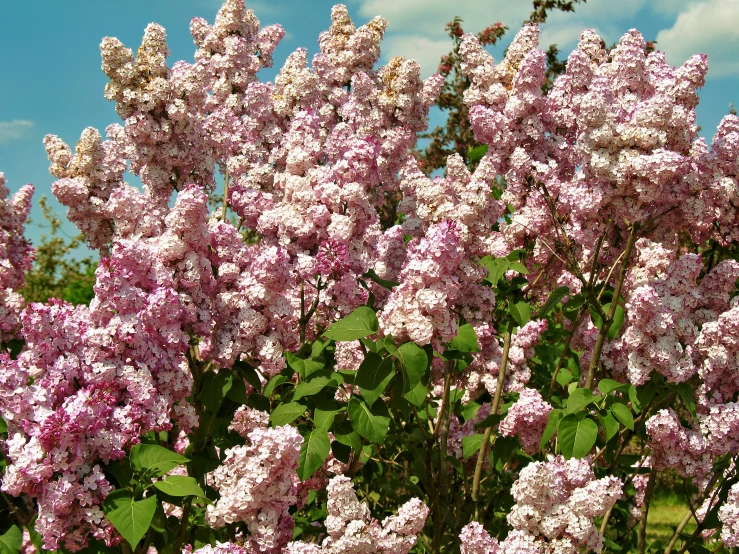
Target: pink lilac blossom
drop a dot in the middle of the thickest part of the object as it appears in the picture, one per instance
(457, 430)
(435, 277)
(16, 257)
(219, 548)
(258, 484)
(614, 143)
(675, 447)
(728, 514)
(556, 503)
(102, 377)
(482, 374)
(527, 419)
(351, 527)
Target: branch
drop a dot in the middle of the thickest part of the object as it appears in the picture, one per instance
(482, 455)
(606, 323)
(642, 532)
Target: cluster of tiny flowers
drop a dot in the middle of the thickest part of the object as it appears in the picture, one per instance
(728, 514)
(556, 503)
(258, 483)
(219, 548)
(613, 144)
(482, 374)
(352, 529)
(87, 385)
(435, 278)
(527, 419)
(16, 257)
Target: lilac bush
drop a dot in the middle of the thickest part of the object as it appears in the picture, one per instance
(288, 373)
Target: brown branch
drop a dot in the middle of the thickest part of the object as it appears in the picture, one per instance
(482, 455)
(606, 323)
(642, 532)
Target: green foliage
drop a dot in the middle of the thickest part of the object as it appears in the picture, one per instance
(55, 273)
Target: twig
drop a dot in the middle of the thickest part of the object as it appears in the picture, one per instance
(562, 358)
(225, 196)
(482, 455)
(642, 532)
(606, 323)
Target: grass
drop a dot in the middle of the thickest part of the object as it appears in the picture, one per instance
(665, 513)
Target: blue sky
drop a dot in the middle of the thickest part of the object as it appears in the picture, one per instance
(52, 82)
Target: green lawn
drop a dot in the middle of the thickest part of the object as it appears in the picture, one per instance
(665, 513)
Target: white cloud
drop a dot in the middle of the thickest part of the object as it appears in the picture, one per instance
(710, 27)
(427, 51)
(14, 130)
(416, 27)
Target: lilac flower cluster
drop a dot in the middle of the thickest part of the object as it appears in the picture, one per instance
(16, 257)
(258, 482)
(556, 503)
(527, 419)
(352, 529)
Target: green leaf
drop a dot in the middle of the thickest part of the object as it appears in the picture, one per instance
(415, 362)
(324, 419)
(686, 394)
(579, 398)
(379, 280)
(623, 414)
(11, 541)
(345, 434)
(373, 376)
(609, 424)
(503, 449)
(3, 426)
(554, 297)
(372, 424)
(179, 485)
(130, 517)
(362, 322)
(518, 266)
(314, 451)
(306, 367)
(466, 340)
(564, 377)
(475, 153)
(273, 383)
(496, 268)
(606, 386)
(576, 436)
(286, 413)
(555, 416)
(249, 373)
(618, 319)
(237, 392)
(572, 307)
(521, 312)
(215, 387)
(153, 457)
(491, 421)
(416, 395)
(471, 444)
(314, 386)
